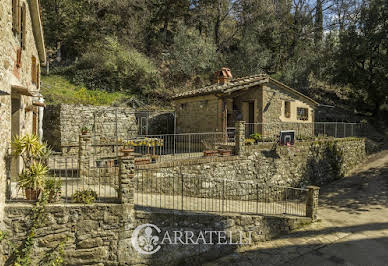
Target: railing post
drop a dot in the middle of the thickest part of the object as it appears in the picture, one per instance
(84, 155)
(240, 137)
(126, 176)
(312, 202)
(324, 129)
(223, 194)
(257, 198)
(189, 144)
(182, 196)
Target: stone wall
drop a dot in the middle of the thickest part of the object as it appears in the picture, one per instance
(273, 113)
(12, 75)
(100, 234)
(62, 124)
(198, 114)
(307, 163)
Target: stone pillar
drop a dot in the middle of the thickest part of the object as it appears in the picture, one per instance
(126, 176)
(240, 137)
(84, 155)
(312, 202)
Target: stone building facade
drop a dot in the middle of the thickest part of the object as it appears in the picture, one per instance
(63, 124)
(22, 53)
(258, 99)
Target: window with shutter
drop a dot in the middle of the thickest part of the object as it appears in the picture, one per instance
(19, 58)
(38, 76)
(287, 109)
(24, 26)
(15, 16)
(19, 18)
(33, 70)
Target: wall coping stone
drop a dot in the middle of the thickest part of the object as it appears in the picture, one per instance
(188, 161)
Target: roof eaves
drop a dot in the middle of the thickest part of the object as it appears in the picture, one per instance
(38, 29)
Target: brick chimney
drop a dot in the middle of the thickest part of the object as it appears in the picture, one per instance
(223, 76)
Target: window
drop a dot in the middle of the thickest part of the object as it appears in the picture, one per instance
(302, 113)
(15, 16)
(23, 23)
(33, 70)
(287, 109)
(19, 57)
(37, 76)
(183, 106)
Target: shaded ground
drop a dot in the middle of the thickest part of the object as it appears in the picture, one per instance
(154, 202)
(353, 226)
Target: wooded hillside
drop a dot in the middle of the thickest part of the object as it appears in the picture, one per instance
(150, 48)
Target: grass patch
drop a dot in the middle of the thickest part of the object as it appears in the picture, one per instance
(57, 89)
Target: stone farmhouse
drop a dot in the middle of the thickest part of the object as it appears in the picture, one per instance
(22, 52)
(257, 99)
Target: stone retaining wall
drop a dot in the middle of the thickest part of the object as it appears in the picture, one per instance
(100, 234)
(307, 163)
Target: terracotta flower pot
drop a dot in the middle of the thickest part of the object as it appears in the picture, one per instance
(208, 153)
(126, 152)
(141, 161)
(225, 152)
(32, 194)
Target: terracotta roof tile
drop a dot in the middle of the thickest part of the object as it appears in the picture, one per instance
(221, 88)
(238, 84)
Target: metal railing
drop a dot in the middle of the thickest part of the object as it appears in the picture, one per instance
(100, 177)
(168, 147)
(268, 132)
(156, 190)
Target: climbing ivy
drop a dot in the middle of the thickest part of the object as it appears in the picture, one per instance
(21, 255)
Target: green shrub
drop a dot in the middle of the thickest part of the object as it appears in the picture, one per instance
(58, 89)
(52, 188)
(3, 235)
(111, 66)
(86, 196)
(249, 141)
(256, 136)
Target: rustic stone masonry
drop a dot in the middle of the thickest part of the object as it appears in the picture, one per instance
(84, 156)
(100, 234)
(312, 202)
(307, 163)
(17, 75)
(240, 137)
(126, 175)
(62, 124)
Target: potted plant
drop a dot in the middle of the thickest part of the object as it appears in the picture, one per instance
(84, 130)
(126, 149)
(210, 149)
(53, 188)
(257, 137)
(249, 141)
(34, 155)
(32, 180)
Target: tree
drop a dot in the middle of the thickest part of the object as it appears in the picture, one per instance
(362, 59)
